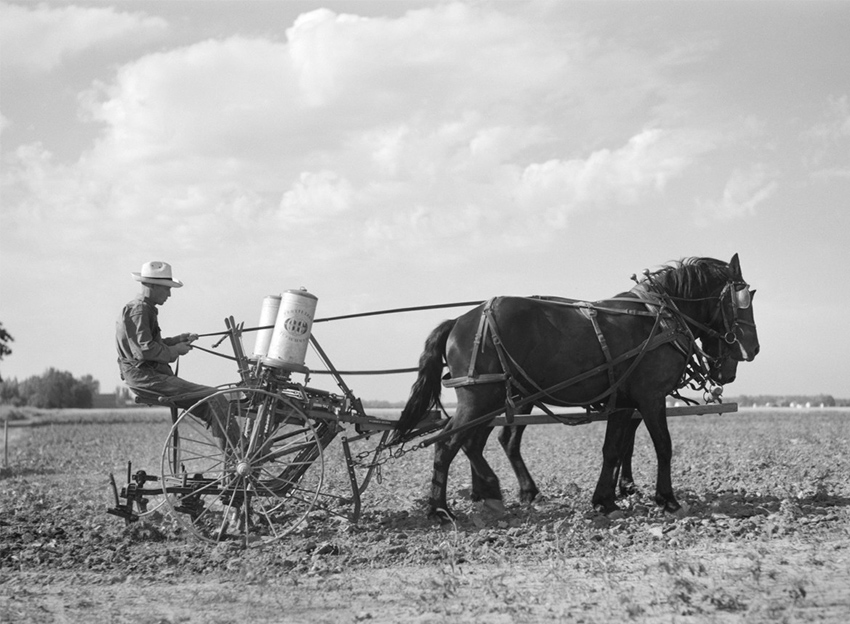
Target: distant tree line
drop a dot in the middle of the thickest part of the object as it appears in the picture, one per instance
(787, 400)
(54, 389)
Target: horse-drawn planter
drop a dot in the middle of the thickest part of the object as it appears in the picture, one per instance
(255, 467)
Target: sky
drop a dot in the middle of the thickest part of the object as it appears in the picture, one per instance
(393, 154)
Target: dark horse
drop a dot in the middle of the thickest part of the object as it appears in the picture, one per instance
(616, 355)
(722, 370)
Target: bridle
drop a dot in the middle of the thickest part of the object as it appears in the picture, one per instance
(740, 298)
(701, 366)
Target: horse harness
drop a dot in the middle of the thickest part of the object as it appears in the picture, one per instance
(670, 326)
(740, 297)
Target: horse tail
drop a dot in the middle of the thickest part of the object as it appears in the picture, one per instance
(425, 392)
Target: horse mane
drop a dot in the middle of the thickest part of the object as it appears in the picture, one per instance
(690, 278)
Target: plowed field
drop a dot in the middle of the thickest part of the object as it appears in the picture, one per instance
(765, 536)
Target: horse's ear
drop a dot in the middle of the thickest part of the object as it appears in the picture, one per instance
(735, 266)
(752, 294)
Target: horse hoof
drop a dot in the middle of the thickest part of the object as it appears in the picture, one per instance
(540, 500)
(671, 507)
(680, 512)
(672, 512)
(529, 497)
(443, 516)
(628, 489)
(495, 505)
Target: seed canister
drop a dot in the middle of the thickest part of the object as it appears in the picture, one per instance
(291, 334)
(268, 316)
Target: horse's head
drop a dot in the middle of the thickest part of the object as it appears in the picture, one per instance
(735, 307)
(722, 367)
(714, 299)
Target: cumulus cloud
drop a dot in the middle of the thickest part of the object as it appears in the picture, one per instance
(315, 198)
(41, 37)
(453, 121)
(622, 176)
(205, 110)
(427, 59)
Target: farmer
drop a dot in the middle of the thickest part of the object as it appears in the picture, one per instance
(144, 356)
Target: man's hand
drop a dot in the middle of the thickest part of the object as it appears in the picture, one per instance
(186, 338)
(183, 348)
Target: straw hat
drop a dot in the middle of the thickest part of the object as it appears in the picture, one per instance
(158, 273)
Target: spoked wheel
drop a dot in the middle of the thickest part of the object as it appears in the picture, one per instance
(242, 464)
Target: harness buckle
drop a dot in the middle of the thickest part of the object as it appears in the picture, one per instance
(586, 309)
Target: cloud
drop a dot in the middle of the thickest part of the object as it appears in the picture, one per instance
(316, 197)
(454, 122)
(41, 38)
(745, 189)
(200, 112)
(47, 203)
(608, 177)
(451, 55)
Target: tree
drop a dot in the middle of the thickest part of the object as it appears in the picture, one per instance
(827, 400)
(5, 338)
(91, 383)
(57, 389)
(10, 393)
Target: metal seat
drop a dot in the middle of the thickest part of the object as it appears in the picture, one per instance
(148, 397)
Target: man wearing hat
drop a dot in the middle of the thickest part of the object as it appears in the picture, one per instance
(144, 356)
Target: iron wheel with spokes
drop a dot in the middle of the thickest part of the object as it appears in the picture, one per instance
(242, 464)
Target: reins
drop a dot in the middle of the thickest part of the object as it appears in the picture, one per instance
(389, 371)
(729, 335)
(637, 353)
(438, 306)
(695, 370)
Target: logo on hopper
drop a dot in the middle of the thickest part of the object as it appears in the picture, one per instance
(295, 326)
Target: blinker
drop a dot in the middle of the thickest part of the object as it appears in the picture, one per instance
(742, 296)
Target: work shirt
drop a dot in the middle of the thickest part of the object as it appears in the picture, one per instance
(144, 355)
(139, 339)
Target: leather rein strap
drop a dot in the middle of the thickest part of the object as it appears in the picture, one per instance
(515, 378)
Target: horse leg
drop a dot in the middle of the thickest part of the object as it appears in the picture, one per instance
(511, 438)
(471, 402)
(627, 481)
(485, 483)
(612, 450)
(444, 453)
(655, 418)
